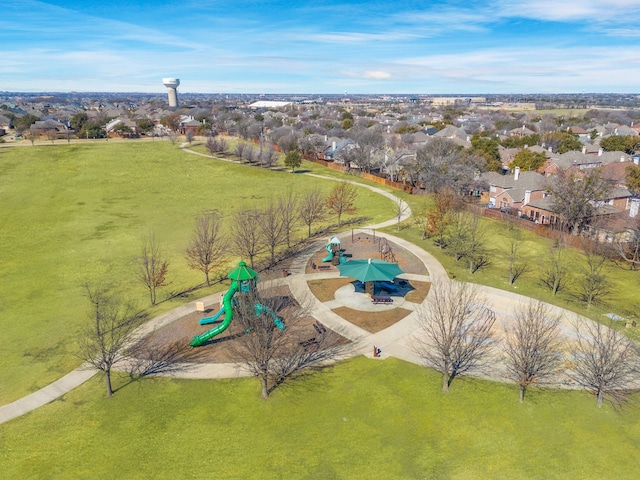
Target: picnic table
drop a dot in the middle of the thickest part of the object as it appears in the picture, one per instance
(381, 299)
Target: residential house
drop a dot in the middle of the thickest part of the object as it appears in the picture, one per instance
(514, 191)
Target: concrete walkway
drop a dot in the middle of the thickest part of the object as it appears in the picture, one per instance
(394, 341)
(77, 377)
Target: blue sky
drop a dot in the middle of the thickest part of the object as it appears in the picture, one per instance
(322, 46)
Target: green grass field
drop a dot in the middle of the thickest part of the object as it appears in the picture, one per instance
(79, 213)
(623, 298)
(364, 419)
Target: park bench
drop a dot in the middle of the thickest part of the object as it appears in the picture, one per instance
(381, 299)
(324, 267)
(319, 328)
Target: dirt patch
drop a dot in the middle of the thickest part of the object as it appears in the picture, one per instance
(217, 350)
(372, 321)
(324, 290)
(363, 247)
(419, 293)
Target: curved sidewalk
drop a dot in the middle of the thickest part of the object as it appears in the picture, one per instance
(80, 375)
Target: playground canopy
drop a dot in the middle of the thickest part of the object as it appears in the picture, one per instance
(242, 272)
(370, 270)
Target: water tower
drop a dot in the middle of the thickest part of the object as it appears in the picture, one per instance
(172, 90)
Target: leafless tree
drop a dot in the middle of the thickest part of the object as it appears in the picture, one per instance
(152, 267)
(276, 355)
(312, 208)
(208, 245)
(400, 207)
(111, 322)
(51, 135)
(268, 157)
(366, 142)
(248, 238)
(628, 247)
(606, 361)
(216, 145)
(239, 150)
(455, 331)
(593, 283)
(189, 135)
(173, 137)
(288, 205)
(464, 238)
(531, 345)
(576, 199)
(517, 263)
(556, 273)
(341, 200)
(272, 227)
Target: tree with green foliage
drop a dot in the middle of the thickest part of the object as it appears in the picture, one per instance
(487, 148)
(520, 142)
(620, 143)
(144, 125)
(24, 122)
(171, 121)
(293, 159)
(528, 160)
(78, 120)
(562, 141)
(632, 178)
(94, 129)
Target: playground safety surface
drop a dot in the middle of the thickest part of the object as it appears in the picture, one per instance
(353, 307)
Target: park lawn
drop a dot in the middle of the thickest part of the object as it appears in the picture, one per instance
(77, 214)
(363, 419)
(623, 299)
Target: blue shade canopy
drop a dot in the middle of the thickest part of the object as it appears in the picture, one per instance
(370, 270)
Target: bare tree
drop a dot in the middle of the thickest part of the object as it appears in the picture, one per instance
(556, 273)
(341, 200)
(577, 199)
(531, 345)
(152, 267)
(277, 347)
(189, 135)
(593, 284)
(517, 264)
(366, 142)
(272, 227)
(288, 205)
(248, 238)
(629, 248)
(110, 325)
(400, 207)
(464, 238)
(173, 137)
(606, 361)
(312, 208)
(455, 331)
(208, 245)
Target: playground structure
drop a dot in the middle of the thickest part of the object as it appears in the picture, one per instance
(369, 235)
(335, 251)
(244, 280)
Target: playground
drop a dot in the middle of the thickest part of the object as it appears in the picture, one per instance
(212, 331)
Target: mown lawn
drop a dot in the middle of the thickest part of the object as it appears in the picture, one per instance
(364, 419)
(78, 214)
(622, 299)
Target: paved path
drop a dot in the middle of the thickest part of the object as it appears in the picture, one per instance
(394, 340)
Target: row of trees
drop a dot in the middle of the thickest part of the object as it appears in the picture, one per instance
(456, 338)
(253, 232)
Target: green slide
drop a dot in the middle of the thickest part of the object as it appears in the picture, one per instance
(228, 316)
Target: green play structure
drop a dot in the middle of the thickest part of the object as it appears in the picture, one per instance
(243, 280)
(335, 252)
